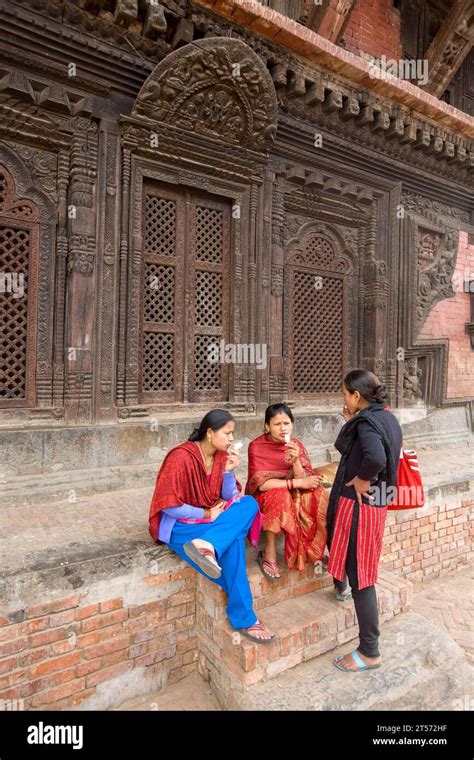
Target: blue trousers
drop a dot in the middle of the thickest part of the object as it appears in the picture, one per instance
(227, 535)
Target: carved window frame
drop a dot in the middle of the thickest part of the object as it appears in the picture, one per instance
(432, 354)
(351, 314)
(23, 214)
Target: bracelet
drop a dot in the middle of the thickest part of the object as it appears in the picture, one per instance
(207, 513)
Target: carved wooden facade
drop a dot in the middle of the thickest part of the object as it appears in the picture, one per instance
(181, 207)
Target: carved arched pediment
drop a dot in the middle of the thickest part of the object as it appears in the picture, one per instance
(319, 246)
(10, 205)
(216, 87)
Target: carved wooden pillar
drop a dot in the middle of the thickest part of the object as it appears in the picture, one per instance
(252, 276)
(62, 247)
(276, 322)
(80, 314)
(264, 301)
(126, 164)
(375, 289)
(107, 266)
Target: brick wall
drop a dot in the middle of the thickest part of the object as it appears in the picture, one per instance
(79, 651)
(447, 320)
(424, 543)
(57, 654)
(374, 29)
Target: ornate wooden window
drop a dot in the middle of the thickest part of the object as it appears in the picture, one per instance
(185, 294)
(19, 259)
(317, 316)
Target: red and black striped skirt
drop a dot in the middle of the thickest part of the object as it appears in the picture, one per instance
(369, 541)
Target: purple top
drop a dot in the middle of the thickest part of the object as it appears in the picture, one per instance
(186, 511)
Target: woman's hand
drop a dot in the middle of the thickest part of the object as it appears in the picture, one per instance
(361, 487)
(217, 510)
(233, 460)
(310, 482)
(292, 452)
(346, 413)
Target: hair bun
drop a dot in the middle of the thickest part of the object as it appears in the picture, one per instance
(380, 391)
(195, 434)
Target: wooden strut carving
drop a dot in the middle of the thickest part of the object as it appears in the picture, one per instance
(436, 255)
(450, 47)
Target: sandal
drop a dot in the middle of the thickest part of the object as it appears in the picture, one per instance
(258, 626)
(343, 597)
(359, 662)
(201, 557)
(274, 566)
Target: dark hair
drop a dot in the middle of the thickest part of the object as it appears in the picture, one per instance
(368, 385)
(274, 409)
(215, 419)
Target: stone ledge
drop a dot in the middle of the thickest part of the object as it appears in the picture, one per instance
(306, 625)
(428, 672)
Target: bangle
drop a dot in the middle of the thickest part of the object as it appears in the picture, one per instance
(207, 513)
(288, 484)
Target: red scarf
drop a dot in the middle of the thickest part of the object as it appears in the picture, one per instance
(182, 479)
(267, 460)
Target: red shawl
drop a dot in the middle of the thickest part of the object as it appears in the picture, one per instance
(267, 460)
(182, 479)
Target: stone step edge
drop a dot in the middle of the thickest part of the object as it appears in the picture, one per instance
(324, 622)
(390, 603)
(433, 676)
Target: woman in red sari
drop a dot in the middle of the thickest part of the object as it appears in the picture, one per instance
(290, 496)
(198, 511)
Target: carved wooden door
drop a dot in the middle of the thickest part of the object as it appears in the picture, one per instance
(185, 295)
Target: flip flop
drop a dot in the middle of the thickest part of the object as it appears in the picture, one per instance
(258, 626)
(262, 562)
(200, 557)
(358, 660)
(343, 597)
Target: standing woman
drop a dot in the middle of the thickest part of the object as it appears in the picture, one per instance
(197, 510)
(289, 494)
(369, 443)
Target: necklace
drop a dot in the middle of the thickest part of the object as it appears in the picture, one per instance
(208, 461)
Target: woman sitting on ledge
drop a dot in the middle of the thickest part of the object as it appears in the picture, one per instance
(290, 496)
(197, 510)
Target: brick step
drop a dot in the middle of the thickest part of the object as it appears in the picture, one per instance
(264, 591)
(307, 625)
(423, 669)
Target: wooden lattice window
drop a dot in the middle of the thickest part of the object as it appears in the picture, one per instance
(317, 318)
(185, 289)
(19, 258)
